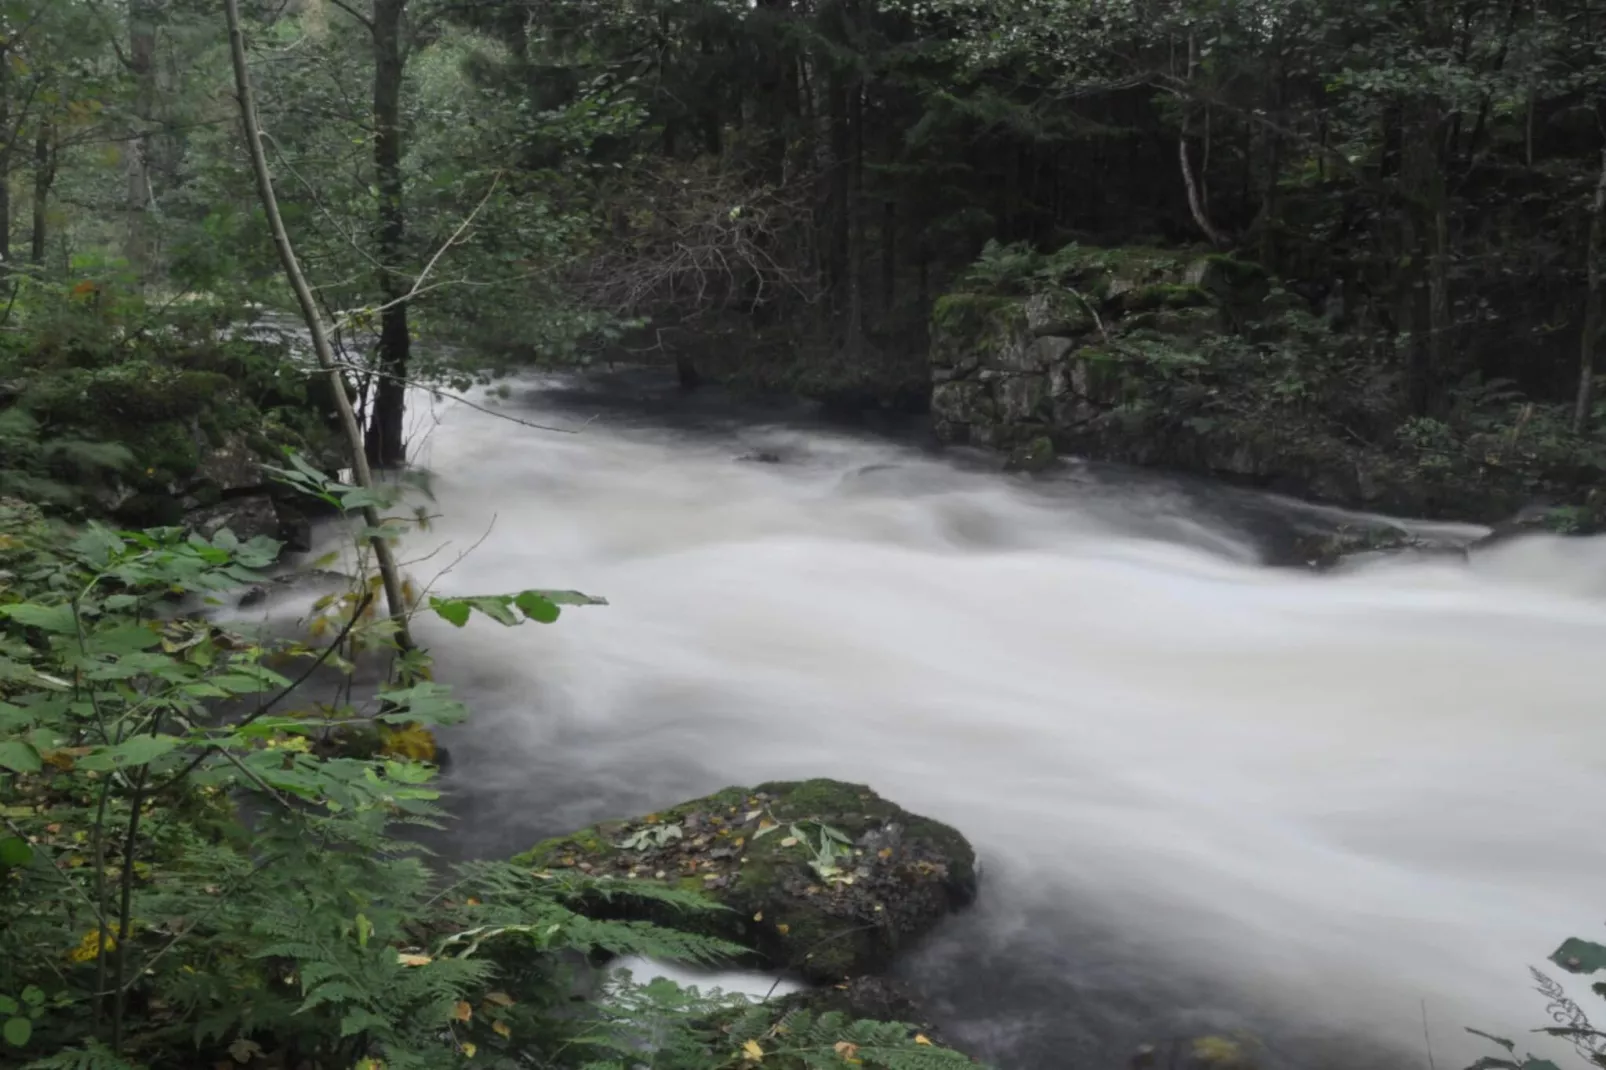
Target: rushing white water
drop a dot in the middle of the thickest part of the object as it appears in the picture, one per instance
(1206, 793)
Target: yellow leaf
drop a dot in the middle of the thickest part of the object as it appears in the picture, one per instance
(469, 1050)
(412, 960)
(759, 916)
(753, 1051)
(920, 1038)
(501, 1029)
(89, 948)
(783, 928)
(846, 1050)
(499, 999)
(885, 852)
(462, 1011)
(410, 741)
(790, 841)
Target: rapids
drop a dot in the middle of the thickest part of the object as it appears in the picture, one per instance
(1208, 794)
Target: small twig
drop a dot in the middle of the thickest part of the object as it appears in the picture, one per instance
(449, 396)
(430, 586)
(263, 709)
(1426, 1039)
(266, 788)
(418, 283)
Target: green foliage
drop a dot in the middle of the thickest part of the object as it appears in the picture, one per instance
(186, 832)
(1576, 956)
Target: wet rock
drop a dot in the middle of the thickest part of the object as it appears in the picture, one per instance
(316, 581)
(1543, 518)
(232, 466)
(1327, 550)
(1036, 455)
(248, 518)
(817, 876)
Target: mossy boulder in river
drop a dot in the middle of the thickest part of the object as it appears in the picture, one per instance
(818, 876)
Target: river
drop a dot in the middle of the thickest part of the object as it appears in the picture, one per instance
(1208, 795)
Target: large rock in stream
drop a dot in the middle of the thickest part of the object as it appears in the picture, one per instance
(822, 877)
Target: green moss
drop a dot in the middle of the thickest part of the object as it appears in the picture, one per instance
(751, 850)
(974, 317)
(1238, 272)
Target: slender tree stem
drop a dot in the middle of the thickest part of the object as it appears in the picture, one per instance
(314, 320)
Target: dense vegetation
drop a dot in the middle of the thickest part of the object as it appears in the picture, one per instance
(202, 860)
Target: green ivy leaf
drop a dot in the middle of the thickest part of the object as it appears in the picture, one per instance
(19, 757)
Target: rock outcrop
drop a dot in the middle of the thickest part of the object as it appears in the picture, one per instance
(1201, 362)
(1083, 364)
(818, 876)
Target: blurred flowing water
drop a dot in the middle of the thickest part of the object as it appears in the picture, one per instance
(1209, 795)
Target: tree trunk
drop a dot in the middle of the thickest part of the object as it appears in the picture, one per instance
(1425, 302)
(44, 176)
(1198, 200)
(5, 161)
(854, 334)
(386, 444)
(140, 248)
(1584, 407)
(389, 575)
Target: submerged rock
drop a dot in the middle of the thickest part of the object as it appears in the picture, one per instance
(1328, 550)
(822, 877)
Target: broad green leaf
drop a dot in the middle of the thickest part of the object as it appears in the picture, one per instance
(1580, 956)
(17, 1031)
(19, 757)
(122, 639)
(427, 703)
(570, 598)
(140, 750)
(536, 607)
(8, 1005)
(367, 498)
(33, 996)
(238, 683)
(58, 619)
(452, 610)
(14, 852)
(495, 607)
